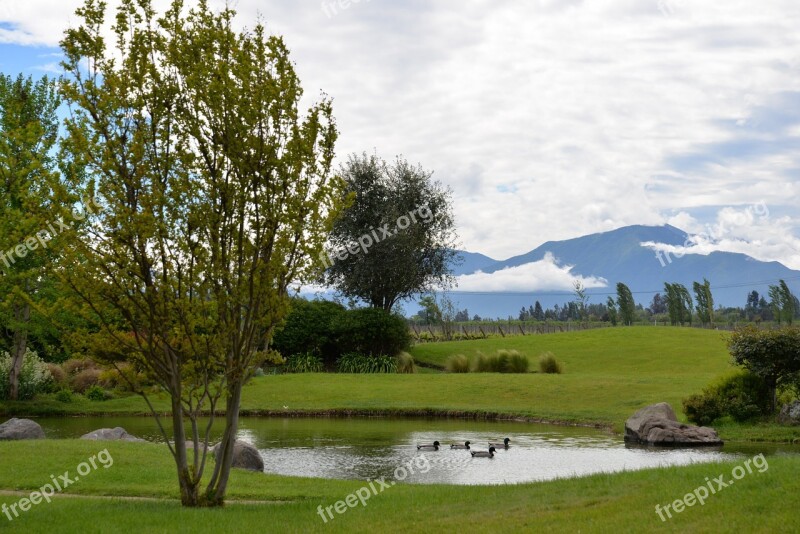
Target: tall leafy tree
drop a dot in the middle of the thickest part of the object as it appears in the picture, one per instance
(217, 195)
(33, 206)
(612, 310)
(626, 304)
(782, 303)
(679, 304)
(704, 302)
(396, 239)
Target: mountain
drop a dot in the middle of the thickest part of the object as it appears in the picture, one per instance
(472, 262)
(618, 256)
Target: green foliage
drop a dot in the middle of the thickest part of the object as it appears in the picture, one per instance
(742, 395)
(782, 302)
(371, 331)
(397, 237)
(310, 327)
(705, 302)
(627, 306)
(97, 393)
(362, 363)
(679, 303)
(305, 362)
(549, 365)
(64, 395)
(773, 355)
(502, 361)
(405, 363)
(457, 363)
(34, 378)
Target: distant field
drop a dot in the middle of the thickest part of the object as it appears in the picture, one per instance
(609, 373)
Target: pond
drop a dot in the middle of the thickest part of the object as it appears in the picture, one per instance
(370, 448)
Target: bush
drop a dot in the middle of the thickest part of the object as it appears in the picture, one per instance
(124, 378)
(58, 374)
(34, 377)
(371, 331)
(549, 365)
(457, 363)
(503, 361)
(64, 395)
(741, 395)
(362, 363)
(304, 363)
(405, 363)
(309, 328)
(96, 393)
(516, 362)
(85, 379)
(75, 366)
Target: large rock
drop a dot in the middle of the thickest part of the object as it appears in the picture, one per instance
(110, 434)
(20, 429)
(657, 425)
(245, 456)
(790, 413)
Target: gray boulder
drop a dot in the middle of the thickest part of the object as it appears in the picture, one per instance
(110, 434)
(245, 456)
(14, 429)
(790, 413)
(657, 425)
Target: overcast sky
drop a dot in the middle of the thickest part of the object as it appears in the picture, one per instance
(548, 119)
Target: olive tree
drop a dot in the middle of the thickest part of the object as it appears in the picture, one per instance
(217, 194)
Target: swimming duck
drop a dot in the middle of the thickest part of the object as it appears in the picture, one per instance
(497, 444)
(483, 454)
(428, 446)
(464, 446)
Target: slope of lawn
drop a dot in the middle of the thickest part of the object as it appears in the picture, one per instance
(609, 373)
(143, 480)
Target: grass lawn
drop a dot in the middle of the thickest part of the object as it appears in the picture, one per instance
(609, 373)
(759, 502)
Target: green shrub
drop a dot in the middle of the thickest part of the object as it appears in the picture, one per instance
(457, 363)
(34, 377)
(96, 393)
(741, 395)
(361, 363)
(371, 331)
(503, 361)
(405, 363)
(64, 395)
(310, 328)
(304, 363)
(549, 365)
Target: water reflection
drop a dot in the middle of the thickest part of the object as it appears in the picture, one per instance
(362, 448)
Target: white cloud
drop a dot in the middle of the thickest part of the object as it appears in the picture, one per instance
(534, 276)
(589, 113)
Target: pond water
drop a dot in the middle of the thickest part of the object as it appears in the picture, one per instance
(370, 448)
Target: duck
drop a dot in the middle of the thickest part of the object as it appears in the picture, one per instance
(504, 444)
(483, 454)
(428, 446)
(464, 446)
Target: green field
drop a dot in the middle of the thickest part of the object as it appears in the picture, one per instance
(609, 373)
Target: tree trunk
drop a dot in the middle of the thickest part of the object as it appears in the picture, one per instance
(218, 485)
(189, 486)
(22, 315)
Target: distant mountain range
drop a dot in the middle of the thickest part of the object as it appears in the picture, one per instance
(619, 256)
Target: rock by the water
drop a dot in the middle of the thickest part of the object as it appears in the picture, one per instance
(14, 429)
(245, 456)
(110, 434)
(657, 425)
(790, 413)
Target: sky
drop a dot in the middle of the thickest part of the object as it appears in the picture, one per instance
(547, 119)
